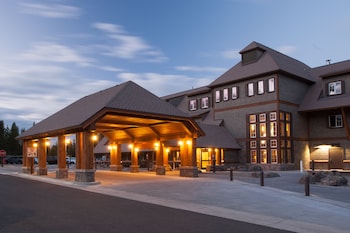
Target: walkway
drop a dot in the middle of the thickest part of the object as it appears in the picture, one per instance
(243, 199)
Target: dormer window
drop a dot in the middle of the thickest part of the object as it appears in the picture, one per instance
(193, 105)
(335, 88)
(251, 56)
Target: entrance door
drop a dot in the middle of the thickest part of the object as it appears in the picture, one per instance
(336, 157)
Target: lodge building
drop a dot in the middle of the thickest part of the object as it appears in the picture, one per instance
(269, 110)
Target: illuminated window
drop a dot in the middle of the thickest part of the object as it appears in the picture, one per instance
(217, 96)
(253, 156)
(335, 121)
(234, 93)
(205, 102)
(271, 85)
(193, 105)
(252, 118)
(262, 129)
(252, 130)
(335, 88)
(263, 144)
(273, 156)
(225, 94)
(263, 156)
(261, 87)
(250, 88)
(287, 129)
(273, 129)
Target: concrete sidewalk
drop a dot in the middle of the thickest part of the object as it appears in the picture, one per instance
(215, 194)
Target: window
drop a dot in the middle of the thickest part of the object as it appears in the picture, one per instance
(252, 144)
(205, 102)
(262, 129)
(262, 117)
(271, 85)
(263, 156)
(273, 116)
(225, 94)
(273, 143)
(193, 105)
(335, 88)
(261, 87)
(217, 96)
(234, 93)
(253, 156)
(252, 130)
(252, 118)
(263, 144)
(273, 156)
(250, 89)
(273, 129)
(335, 121)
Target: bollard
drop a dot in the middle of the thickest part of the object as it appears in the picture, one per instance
(307, 185)
(313, 165)
(262, 178)
(231, 174)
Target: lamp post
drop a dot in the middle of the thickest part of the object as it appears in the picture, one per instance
(94, 139)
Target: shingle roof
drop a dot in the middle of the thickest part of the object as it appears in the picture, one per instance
(127, 96)
(270, 61)
(216, 137)
(315, 99)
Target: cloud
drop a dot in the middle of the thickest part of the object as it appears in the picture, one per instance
(50, 11)
(126, 46)
(286, 49)
(52, 52)
(164, 84)
(231, 54)
(201, 69)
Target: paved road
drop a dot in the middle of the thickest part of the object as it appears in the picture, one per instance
(33, 207)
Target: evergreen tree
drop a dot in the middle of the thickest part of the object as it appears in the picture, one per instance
(3, 133)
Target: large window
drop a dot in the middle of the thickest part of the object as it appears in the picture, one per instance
(335, 88)
(270, 137)
(335, 121)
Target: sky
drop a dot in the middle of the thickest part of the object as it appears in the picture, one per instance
(54, 52)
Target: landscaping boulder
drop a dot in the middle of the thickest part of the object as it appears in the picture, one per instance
(332, 178)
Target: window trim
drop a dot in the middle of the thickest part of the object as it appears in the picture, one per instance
(337, 87)
(335, 121)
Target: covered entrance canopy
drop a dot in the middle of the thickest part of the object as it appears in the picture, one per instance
(126, 113)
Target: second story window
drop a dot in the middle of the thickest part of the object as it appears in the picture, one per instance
(225, 94)
(193, 105)
(217, 96)
(335, 121)
(261, 87)
(250, 89)
(335, 88)
(205, 102)
(234, 93)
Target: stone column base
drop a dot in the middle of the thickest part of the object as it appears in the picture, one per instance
(160, 170)
(41, 171)
(62, 173)
(85, 175)
(27, 170)
(134, 168)
(187, 171)
(116, 167)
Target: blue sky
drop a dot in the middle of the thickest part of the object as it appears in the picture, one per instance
(54, 52)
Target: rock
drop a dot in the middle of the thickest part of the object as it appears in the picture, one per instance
(332, 178)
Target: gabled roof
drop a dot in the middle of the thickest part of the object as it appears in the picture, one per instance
(217, 137)
(270, 62)
(316, 99)
(127, 98)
